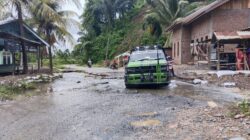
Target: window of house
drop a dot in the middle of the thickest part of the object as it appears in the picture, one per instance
(206, 38)
(178, 49)
(7, 58)
(174, 50)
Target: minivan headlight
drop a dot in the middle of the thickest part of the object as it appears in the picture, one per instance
(130, 70)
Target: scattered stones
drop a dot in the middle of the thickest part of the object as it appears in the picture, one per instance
(23, 82)
(235, 129)
(198, 81)
(237, 138)
(219, 116)
(229, 84)
(248, 132)
(49, 90)
(212, 104)
(239, 116)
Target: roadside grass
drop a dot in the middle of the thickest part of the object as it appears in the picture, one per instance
(242, 109)
(59, 63)
(11, 91)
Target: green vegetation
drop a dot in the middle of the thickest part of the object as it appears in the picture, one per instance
(11, 91)
(108, 33)
(46, 16)
(243, 109)
(111, 27)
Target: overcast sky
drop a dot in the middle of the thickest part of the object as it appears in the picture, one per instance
(73, 7)
(79, 12)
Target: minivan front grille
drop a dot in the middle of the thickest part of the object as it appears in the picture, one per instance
(142, 69)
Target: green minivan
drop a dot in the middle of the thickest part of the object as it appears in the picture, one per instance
(147, 66)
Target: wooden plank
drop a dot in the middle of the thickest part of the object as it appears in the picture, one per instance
(218, 56)
(38, 59)
(6, 68)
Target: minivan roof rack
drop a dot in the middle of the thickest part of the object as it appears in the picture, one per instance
(143, 48)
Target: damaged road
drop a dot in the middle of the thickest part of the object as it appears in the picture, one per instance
(88, 107)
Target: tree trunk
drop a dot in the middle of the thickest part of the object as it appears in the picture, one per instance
(107, 50)
(20, 21)
(50, 60)
(38, 58)
(50, 51)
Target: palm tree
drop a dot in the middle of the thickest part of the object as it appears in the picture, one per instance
(106, 12)
(20, 5)
(164, 12)
(52, 23)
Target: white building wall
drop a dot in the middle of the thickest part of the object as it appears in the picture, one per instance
(1, 57)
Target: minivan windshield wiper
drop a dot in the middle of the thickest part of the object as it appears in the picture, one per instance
(158, 59)
(144, 59)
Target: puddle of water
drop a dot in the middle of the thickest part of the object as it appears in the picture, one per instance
(40, 89)
(202, 93)
(148, 114)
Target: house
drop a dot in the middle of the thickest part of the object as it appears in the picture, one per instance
(10, 45)
(192, 35)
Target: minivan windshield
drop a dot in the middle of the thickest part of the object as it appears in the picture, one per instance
(147, 55)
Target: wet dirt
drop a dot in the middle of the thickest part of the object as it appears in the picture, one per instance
(91, 108)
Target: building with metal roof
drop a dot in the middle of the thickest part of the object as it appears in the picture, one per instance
(192, 39)
(10, 45)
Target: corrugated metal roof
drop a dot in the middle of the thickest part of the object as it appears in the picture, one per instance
(12, 27)
(196, 15)
(238, 35)
(4, 35)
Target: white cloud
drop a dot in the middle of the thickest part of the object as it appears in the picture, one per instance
(74, 32)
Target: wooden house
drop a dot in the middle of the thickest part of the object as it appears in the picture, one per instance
(10, 45)
(192, 35)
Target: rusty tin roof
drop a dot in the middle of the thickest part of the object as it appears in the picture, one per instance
(196, 15)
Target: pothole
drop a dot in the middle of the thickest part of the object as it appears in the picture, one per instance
(145, 123)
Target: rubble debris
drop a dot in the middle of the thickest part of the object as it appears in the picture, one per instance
(229, 84)
(212, 104)
(199, 81)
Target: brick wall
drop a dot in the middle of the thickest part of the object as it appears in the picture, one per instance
(201, 28)
(230, 20)
(185, 45)
(219, 20)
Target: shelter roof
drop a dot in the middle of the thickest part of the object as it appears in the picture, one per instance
(12, 31)
(8, 36)
(231, 37)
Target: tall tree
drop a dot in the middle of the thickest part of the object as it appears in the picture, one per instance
(100, 16)
(53, 23)
(164, 12)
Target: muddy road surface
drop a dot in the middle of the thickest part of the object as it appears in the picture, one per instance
(85, 107)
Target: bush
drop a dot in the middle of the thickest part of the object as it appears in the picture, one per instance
(242, 108)
(10, 91)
